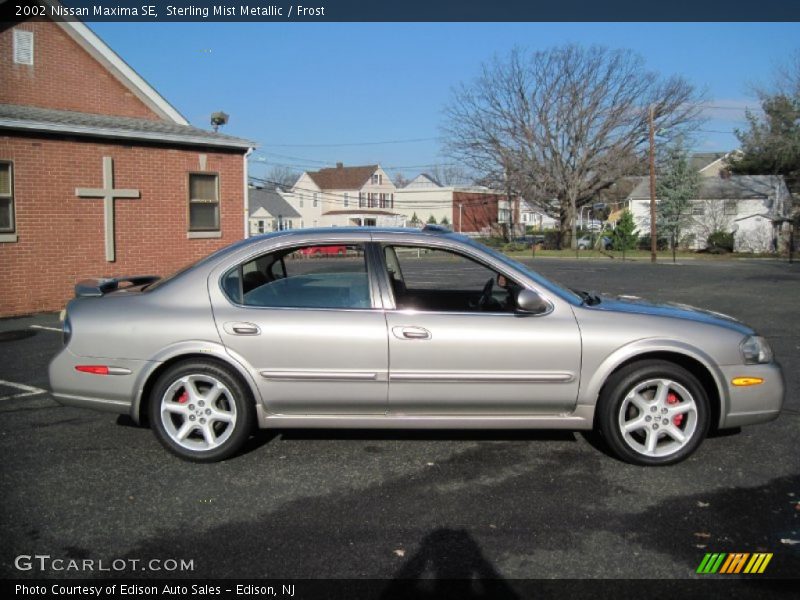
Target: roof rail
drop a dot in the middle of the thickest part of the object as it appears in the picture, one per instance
(437, 228)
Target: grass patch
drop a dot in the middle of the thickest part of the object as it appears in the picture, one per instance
(663, 256)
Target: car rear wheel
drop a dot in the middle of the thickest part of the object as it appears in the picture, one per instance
(200, 411)
(653, 413)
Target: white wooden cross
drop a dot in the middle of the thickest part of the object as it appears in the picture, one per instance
(108, 194)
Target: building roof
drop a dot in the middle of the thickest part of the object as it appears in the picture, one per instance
(735, 187)
(271, 201)
(342, 178)
(423, 180)
(702, 160)
(47, 120)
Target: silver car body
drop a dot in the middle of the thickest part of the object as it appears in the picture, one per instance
(367, 368)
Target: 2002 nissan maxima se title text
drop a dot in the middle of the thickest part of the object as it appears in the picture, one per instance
(402, 329)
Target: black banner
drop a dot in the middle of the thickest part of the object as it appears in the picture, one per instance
(405, 11)
(331, 589)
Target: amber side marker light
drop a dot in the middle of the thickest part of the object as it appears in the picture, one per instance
(744, 381)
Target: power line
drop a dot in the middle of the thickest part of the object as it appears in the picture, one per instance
(330, 164)
(384, 142)
(337, 199)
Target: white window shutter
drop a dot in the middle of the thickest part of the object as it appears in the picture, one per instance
(23, 47)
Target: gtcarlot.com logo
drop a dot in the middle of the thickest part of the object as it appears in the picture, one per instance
(46, 562)
(733, 563)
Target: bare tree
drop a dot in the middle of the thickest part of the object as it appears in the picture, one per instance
(283, 177)
(450, 174)
(786, 80)
(561, 125)
(400, 180)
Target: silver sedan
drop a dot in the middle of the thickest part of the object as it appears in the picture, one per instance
(402, 328)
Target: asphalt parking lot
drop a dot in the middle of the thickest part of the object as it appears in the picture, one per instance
(363, 504)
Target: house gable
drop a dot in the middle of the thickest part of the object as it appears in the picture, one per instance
(74, 70)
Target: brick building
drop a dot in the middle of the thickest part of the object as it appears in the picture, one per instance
(99, 174)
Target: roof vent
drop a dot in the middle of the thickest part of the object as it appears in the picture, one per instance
(23, 47)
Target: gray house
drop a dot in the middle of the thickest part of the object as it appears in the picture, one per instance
(269, 211)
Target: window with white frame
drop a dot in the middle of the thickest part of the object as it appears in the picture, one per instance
(730, 207)
(23, 47)
(346, 199)
(203, 202)
(316, 199)
(7, 224)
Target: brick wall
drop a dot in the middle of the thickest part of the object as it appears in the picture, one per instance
(478, 211)
(64, 76)
(61, 236)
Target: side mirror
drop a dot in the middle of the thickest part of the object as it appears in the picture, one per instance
(532, 303)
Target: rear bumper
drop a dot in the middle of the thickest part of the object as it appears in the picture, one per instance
(748, 405)
(112, 393)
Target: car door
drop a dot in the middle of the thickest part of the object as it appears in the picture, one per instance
(306, 324)
(450, 355)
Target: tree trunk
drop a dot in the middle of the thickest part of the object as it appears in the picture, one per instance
(569, 238)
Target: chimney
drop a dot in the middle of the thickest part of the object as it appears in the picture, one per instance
(339, 165)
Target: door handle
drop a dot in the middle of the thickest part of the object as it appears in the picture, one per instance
(241, 328)
(411, 333)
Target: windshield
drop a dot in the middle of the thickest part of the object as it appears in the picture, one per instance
(554, 287)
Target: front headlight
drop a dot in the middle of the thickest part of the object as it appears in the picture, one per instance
(755, 350)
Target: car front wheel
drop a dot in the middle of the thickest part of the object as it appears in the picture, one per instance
(653, 413)
(200, 411)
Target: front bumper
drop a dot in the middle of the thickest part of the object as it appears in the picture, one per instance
(748, 405)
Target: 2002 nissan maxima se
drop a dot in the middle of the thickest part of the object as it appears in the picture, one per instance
(402, 329)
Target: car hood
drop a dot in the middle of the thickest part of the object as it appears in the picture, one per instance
(636, 305)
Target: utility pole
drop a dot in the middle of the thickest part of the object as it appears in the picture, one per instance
(653, 235)
(508, 202)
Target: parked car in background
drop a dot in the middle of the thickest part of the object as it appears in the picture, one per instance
(530, 239)
(324, 251)
(588, 242)
(415, 329)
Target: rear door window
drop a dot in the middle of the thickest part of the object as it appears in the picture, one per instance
(313, 276)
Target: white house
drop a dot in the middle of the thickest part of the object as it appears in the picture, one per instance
(752, 207)
(345, 196)
(532, 216)
(269, 211)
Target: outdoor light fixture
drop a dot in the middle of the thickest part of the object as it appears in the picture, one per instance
(219, 118)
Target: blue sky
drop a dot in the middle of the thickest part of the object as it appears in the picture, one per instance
(297, 89)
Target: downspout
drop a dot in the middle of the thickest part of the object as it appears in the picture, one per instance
(247, 194)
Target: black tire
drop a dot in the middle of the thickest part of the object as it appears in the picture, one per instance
(619, 404)
(222, 394)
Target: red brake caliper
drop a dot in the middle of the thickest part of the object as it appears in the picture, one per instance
(183, 398)
(671, 399)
